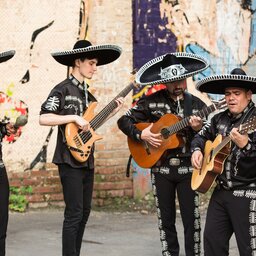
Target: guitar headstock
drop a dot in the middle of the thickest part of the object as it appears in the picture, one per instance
(249, 126)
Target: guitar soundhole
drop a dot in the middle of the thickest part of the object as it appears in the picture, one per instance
(165, 133)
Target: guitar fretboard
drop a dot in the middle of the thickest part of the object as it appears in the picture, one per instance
(185, 122)
(99, 119)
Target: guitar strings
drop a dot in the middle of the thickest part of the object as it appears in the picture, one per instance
(185, 122)
(101, 116)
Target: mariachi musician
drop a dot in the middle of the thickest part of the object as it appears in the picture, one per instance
(5, 129)
(172, 172)
(67, 103)
(232, 207)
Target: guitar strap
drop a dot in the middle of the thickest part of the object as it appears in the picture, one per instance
(187, 104)
(128, 166)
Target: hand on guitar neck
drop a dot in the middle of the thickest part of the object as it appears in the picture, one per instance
(240, 139)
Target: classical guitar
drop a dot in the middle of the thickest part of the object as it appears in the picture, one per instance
(79, 142)
(168, 125)
(215, 154)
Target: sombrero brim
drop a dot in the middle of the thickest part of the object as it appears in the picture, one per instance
(4, 56)
(217, 84)
(104, 53)
(149, 73)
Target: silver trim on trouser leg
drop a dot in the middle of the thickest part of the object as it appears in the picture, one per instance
(197, 222)
(197, 227)
(162, 232)
(252, 215)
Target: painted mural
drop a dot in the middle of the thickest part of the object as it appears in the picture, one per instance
(221, 31)
(33, 33)
(10, 110)
(10, 107)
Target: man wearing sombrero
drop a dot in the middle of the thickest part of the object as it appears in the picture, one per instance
(66, 104)
(5, 129)
(172, 172)
(232, 207)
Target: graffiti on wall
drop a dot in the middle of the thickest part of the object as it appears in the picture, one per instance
(10, 110)
(220, 31)
(26, 77)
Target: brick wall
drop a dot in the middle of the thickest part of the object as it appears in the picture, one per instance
(110, 182)
(110, 22)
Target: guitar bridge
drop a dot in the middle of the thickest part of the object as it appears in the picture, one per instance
(147, 148)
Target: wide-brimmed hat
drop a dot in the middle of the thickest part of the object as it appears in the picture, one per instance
(4, 56)
(83, 48)
(170, 67)
(216, 84)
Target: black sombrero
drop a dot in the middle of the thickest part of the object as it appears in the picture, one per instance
(170, 67)
(83, 48)
(217, 84)
(4, 56)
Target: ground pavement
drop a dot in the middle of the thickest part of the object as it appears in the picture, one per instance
(38, 233)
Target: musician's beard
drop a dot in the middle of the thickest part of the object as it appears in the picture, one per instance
(177, 93)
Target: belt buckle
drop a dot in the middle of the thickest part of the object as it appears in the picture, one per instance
(174, 161)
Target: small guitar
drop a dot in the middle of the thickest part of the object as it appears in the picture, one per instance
(79, 142)
(168, 125)
(215, 154)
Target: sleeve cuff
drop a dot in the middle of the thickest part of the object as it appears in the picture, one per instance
(138, 135)
(247, 147)
(195, 149)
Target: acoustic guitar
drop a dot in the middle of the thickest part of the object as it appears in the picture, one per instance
(79, 142)
(215, 154)
(168, 125)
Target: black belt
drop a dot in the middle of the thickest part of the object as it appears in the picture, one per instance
(177, 161)
(235, 185)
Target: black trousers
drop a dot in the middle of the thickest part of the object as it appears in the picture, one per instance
(77, 187)
(4, 207)
(231, 212)
(167, 182)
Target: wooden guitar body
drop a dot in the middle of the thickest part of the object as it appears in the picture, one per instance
(75, 141)
(202, 180)
(145, 155)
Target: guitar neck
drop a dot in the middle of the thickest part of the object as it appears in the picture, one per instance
(185, 122)
(101, 117)
(218, 148)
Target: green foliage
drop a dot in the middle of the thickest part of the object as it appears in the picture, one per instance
(17, 200)
(126, 203)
